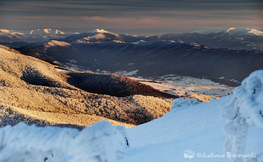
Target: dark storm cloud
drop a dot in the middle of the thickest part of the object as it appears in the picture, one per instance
(144, 15)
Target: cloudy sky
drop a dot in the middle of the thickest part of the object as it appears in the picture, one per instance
(141, 17)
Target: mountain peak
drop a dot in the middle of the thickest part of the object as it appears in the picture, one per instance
(32, 32)
(98, 31)
(256, 32)
(228, 30)
(244, 31)
(10, 31)
(232, 31)
(46, 31)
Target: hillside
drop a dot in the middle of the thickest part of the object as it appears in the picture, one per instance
(37, 87)
(226, 129)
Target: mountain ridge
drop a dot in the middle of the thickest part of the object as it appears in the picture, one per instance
(32, 32)
(232, 31)
(147, 58)
(233, 38)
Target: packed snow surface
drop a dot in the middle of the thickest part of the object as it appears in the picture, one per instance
(226, 129)
(197, 131)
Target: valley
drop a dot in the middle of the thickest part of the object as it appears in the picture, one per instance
(113, 86)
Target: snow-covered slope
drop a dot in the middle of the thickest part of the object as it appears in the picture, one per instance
(232, 31)
(54, 43)
(187, 133)
(196, 132)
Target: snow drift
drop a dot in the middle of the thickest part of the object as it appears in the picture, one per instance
(194, 132)
(99, 142)
(180, 102)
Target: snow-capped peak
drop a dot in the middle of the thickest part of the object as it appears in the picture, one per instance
(246, 31)
(232, 31)
(32, 32)
(228, 30)
(256, 32)
(10, 31)
(98, 31)
(46, 31)
(6, 31)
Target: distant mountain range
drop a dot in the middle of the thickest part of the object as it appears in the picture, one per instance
(231, 53)
(233, 38)
(15, 38)
(32, 32)
(232, 31)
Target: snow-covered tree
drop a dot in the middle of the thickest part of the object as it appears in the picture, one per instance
(242, 112)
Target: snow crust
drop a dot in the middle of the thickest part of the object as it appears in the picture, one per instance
(245, 110)
(99, 142)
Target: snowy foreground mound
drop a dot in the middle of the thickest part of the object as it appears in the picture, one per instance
(99, 142)
(227, 129)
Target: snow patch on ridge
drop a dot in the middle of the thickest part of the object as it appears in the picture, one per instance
(98, 31)
(126, 73)
(54, 43)
(32, 32)
(45, 31)
(232, 31)
(10, 32)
